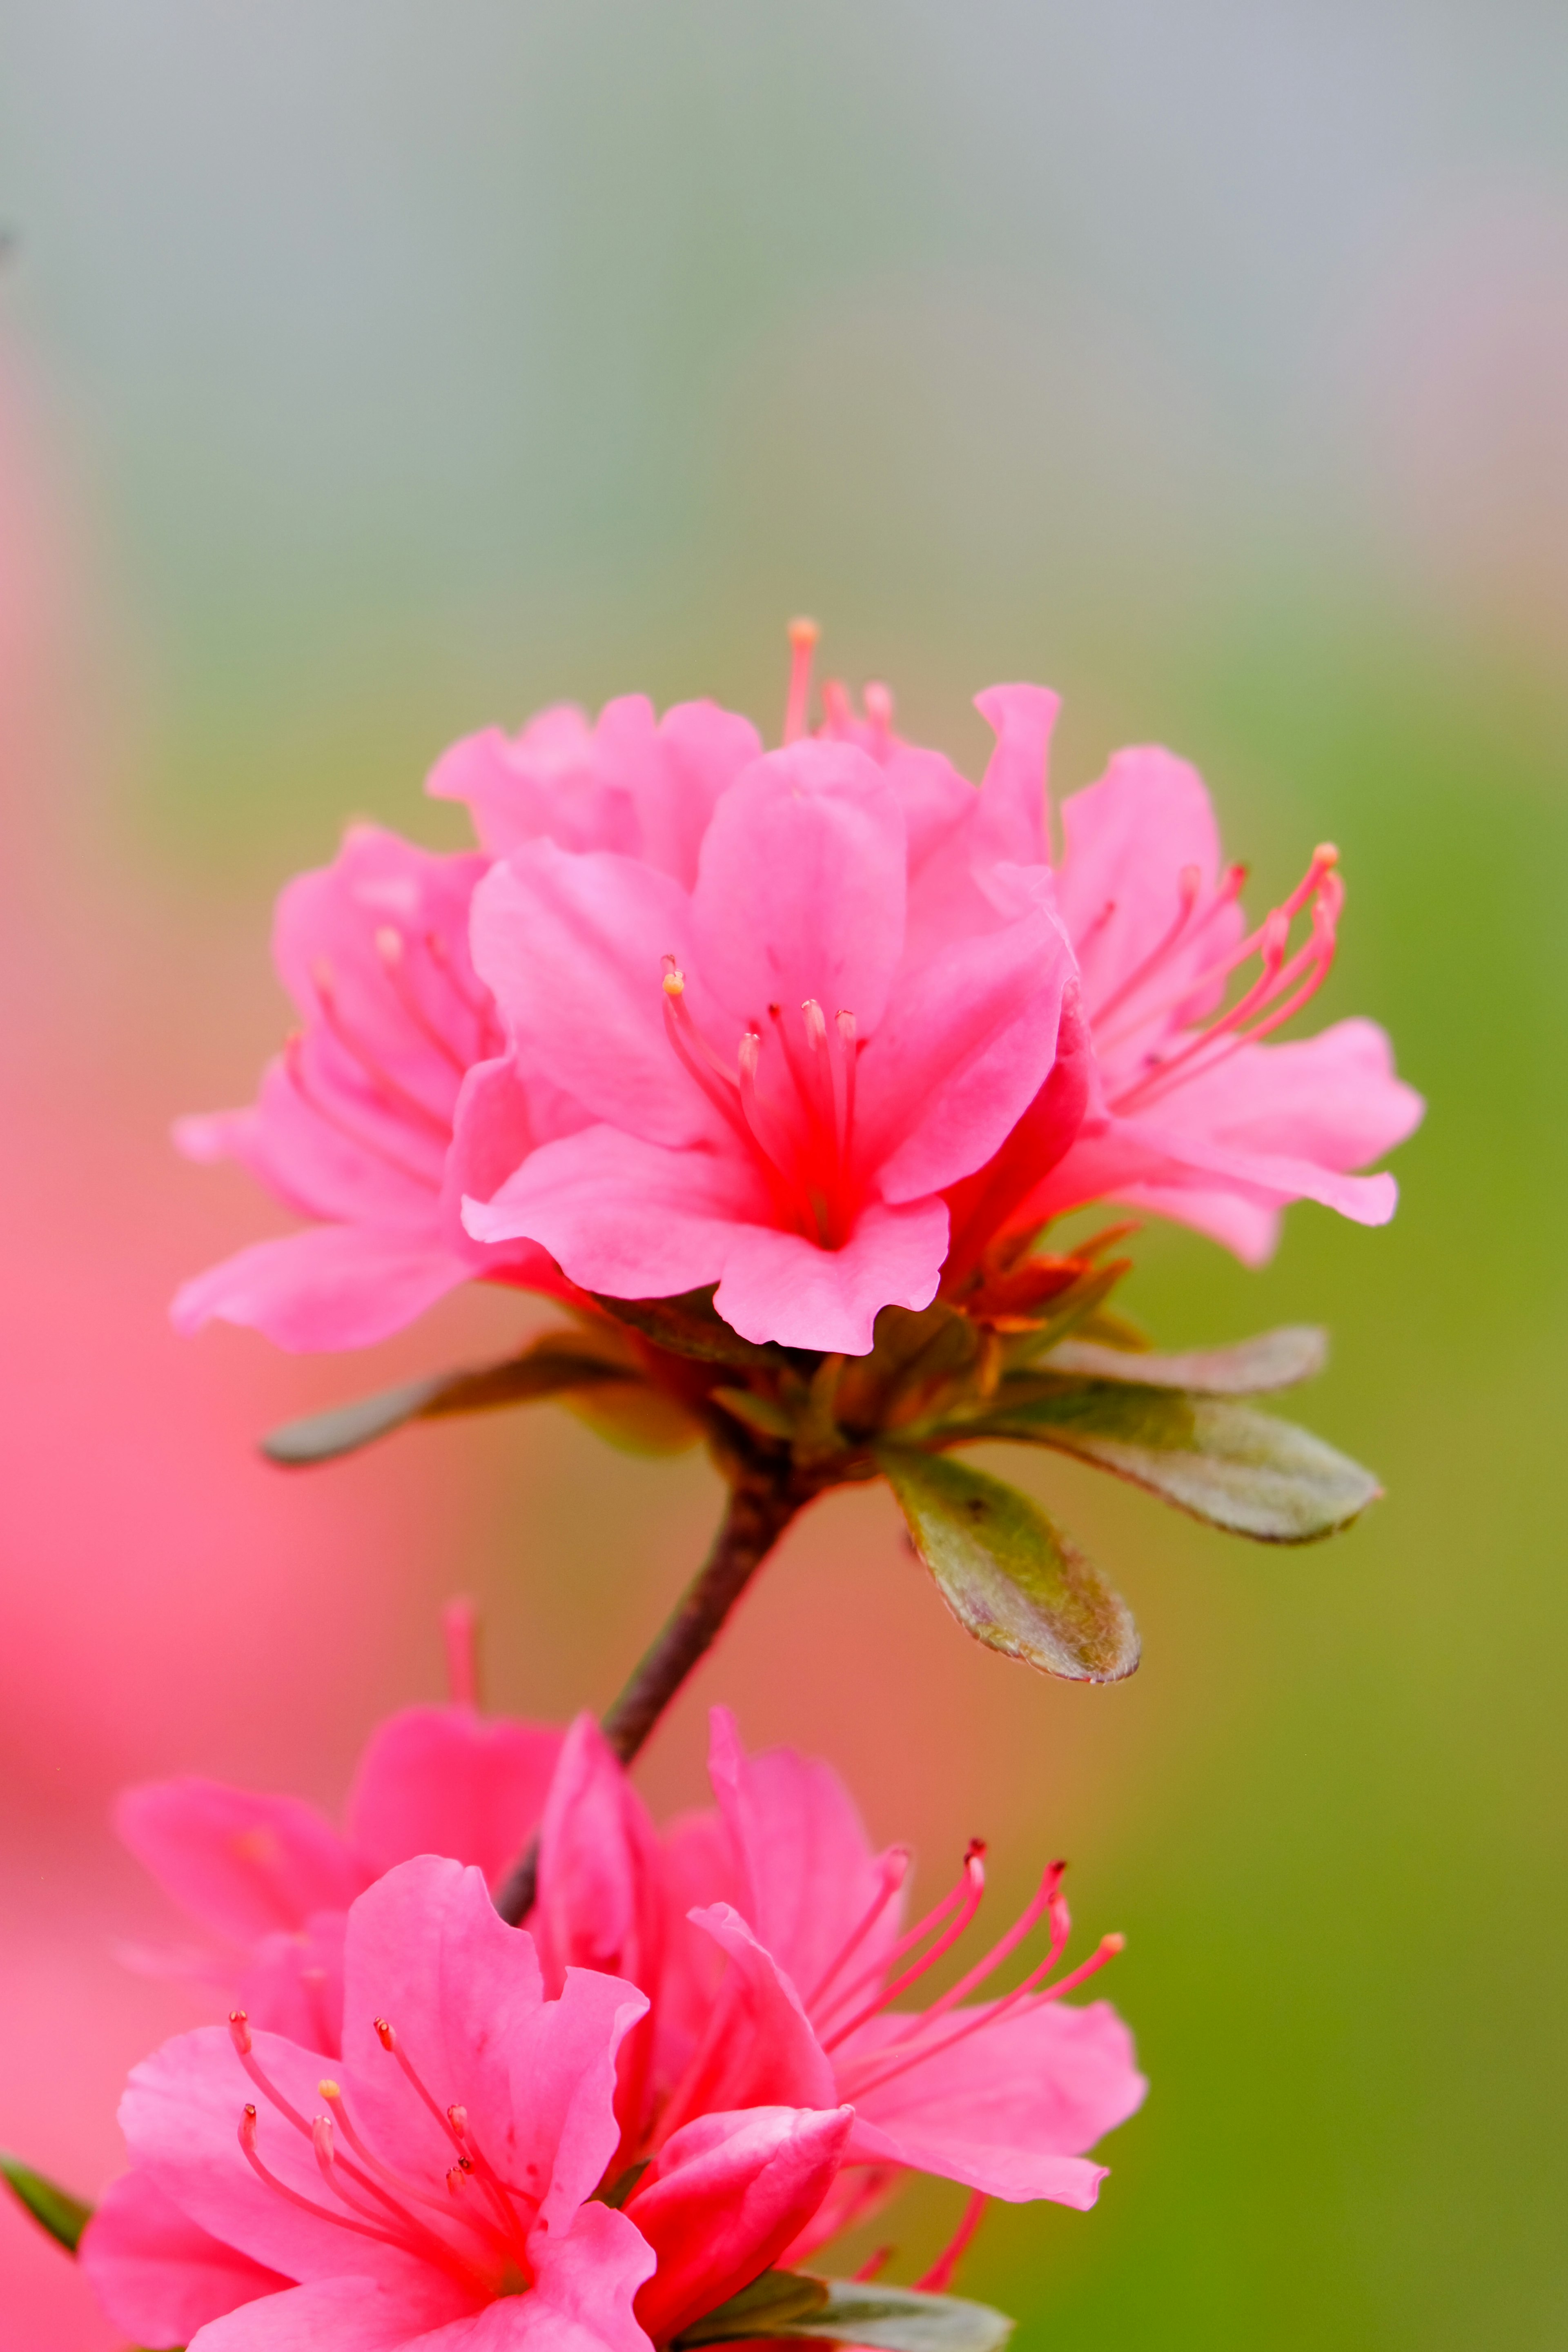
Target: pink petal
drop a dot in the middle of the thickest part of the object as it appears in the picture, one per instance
(600, 1880)
(699, 1867)
(159, 2275)
(446, 1780)
(967, 1044)
(800, 888)
(573, 947)
(428, 1951)
(759, 2048)
(548, 782)
(348, 1158)
(1010, 2109)
(1129, 838)
(350, 2314)
(723, 2199)
(811, 1875)
(998, 1195)
(293, 1984)
(627, 1218)
(329, 1286)
(778, 1286)
(181, 2114)
(340, 917)
(861, 2191)
(1333, 1099)
(1010, 823)
(702, 749)
(587, 2272)
(242, 1863)
(1270, 1125)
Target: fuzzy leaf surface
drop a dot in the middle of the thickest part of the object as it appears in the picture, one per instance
(1274, 1359)
(1228, 1464)
(1009, 1577)
(554, 1366)
(846, 2311)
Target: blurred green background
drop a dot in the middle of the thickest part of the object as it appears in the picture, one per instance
(411, 365)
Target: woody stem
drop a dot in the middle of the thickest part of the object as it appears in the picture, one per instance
(763, 1499)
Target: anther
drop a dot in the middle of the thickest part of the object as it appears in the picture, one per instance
(385, 2035)
(239, 2033)
(803, 637)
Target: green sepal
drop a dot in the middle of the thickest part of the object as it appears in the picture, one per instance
(1228, 1464)
(848, 2311)
(1273, 1359)
(689, 1326)
(1009, 1577)
(555, 1366)
(54, 2208)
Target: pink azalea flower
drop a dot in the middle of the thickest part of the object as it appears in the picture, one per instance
(788, 1060)
(441, 2181)
(396, 1097)
(767, 1935)
(770, 1937)
(1190, 1112)
(271, 1879)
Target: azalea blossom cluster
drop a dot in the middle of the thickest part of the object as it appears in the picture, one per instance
(700, 2061)
(820, 1027)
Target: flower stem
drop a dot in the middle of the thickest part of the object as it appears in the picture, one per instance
(763, 1499)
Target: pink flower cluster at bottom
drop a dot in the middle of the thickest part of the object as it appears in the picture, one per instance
(421, 2124)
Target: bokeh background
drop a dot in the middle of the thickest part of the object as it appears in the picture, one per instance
(371, 370)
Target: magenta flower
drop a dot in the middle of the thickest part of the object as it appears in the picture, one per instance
(1190, 1112)
(396, 1097)
(271, 1879)
(770, 1939)
(788, 1062)
(448, 2165)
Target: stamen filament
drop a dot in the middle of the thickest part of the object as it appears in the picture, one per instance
(294, 1069)
(973, 1888)
(389, 947)
(390, 1090)
(893, 1869)
(940, 2277)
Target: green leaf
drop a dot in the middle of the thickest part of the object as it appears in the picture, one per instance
(1274, 1359)
(54, 2208)
(555, 1365)
(1009, 1577)
(688, 1326)
(1228, 1463)
(846, 2311)
(633, 1417)
(763, 1414)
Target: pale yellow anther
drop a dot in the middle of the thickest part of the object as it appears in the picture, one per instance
(804, 632)
(675, 983)
(328, 2088)
(1326, 854)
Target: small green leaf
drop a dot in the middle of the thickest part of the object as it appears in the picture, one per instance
(65, 2217)
(1274, 1359)
(763, 1414)
(1009, 1577)
(688, 1326)
(846, 2311)
(632, 1416)
(1228, 1463)
(555, 1365)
